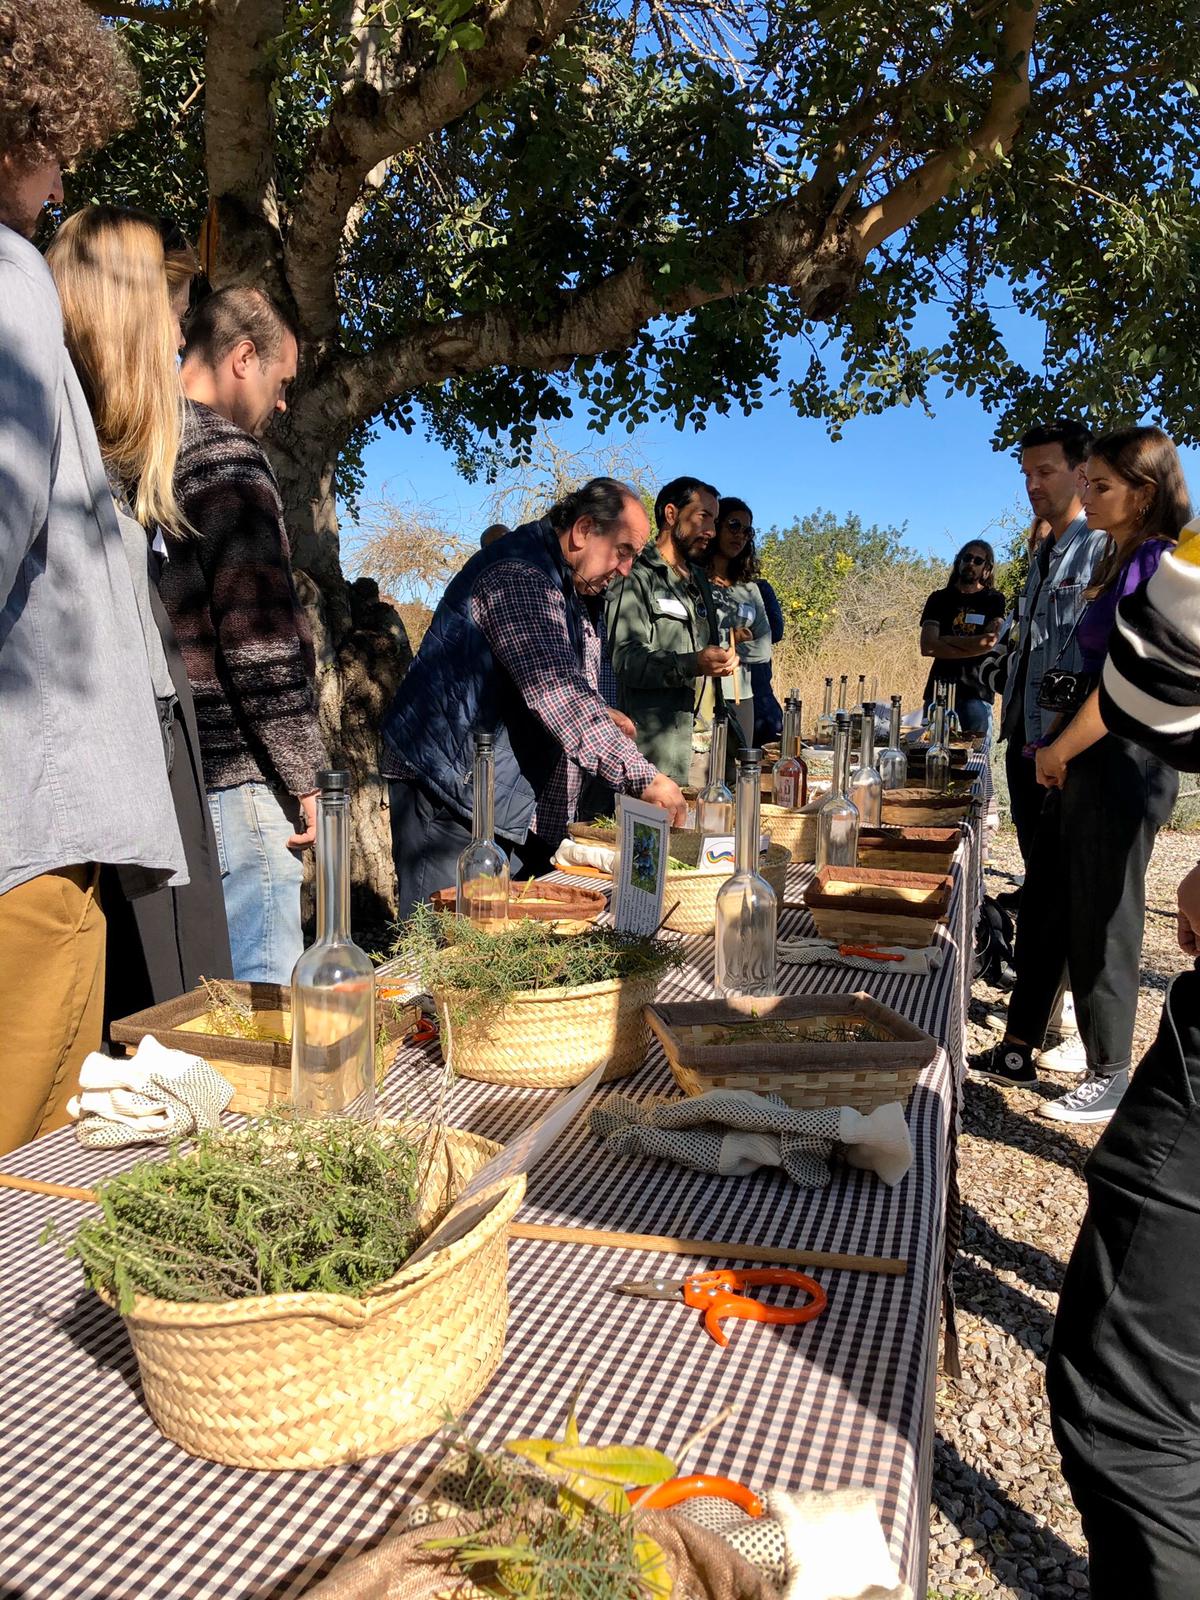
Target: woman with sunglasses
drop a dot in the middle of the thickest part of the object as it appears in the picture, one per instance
(960, 626)
(742, 606)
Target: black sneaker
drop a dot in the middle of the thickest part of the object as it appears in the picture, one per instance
(1007, 1063)
(1010, 899)
(1093, 1100)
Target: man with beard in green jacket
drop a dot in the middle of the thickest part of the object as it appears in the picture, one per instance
(662, 629)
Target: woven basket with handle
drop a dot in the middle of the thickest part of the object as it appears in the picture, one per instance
(552, 1038)
(795, 828)
(310, 1380)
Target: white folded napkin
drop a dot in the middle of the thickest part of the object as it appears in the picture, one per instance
(735, 1131)
(581, 853)
(152, 1097)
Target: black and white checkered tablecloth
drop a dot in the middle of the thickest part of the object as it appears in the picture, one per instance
(96, 1505)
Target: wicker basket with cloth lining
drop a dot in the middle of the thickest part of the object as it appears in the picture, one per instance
(312, 1379)
(807, 1070)
(857, 905)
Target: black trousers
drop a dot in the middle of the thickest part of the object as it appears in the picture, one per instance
(428, 838)
(1084, 902)
(1025, 796)
(1124, 1367)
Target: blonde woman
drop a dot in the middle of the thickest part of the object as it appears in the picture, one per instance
(123, 335)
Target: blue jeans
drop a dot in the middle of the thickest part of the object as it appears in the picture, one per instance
(261, 879)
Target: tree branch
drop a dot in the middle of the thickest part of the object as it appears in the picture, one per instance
(242, 234)
(157, 16)
(366, 126)
(794, 246)
(937, 175)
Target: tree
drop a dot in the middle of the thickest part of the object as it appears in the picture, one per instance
(478, 212)
(823, 562)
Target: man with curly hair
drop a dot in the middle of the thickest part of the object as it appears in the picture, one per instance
(83, 777)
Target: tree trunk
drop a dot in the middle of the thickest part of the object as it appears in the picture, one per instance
(362, 652)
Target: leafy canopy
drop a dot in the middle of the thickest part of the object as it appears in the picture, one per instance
(771, 169)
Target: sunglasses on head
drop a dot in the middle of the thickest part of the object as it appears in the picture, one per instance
(736, 525)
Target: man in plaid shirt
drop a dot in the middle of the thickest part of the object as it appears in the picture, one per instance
(514, 649)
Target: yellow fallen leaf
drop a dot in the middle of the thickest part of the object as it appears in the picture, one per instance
(615, 1463)
(652, 1563)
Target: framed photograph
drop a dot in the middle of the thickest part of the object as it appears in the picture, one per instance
(640, 869)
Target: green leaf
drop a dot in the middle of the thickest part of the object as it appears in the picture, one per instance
(616, 1463)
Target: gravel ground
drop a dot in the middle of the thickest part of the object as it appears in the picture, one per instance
(1002, 1522)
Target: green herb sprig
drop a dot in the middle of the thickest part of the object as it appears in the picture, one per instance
(480, 971)
(281, 1206)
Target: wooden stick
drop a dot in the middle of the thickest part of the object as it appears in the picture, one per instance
(57, 1191)
(718, 1249)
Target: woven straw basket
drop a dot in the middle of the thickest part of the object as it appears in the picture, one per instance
(794, 828)
(691, 897)
(552, 1038)
(310, 1380)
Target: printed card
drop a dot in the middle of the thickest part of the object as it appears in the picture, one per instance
(640, 870)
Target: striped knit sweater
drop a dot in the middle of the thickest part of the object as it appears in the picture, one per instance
(239, 622)
(1150, 689)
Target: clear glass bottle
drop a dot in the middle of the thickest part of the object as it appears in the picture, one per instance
(837, 820)
(866, 787)
(862, 690)
(937, 757)
(825, 720)
(714, 807)
(746, 905)
(841, 705)
(333, 984)
(893, 762)
(953, 726)
(483, 872)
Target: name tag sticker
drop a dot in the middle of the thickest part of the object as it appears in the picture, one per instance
(667, 606)
(975, 618)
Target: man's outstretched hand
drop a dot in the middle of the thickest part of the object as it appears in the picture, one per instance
(665, 792)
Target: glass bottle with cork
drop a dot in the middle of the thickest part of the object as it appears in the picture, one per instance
(483, 872)
(714, 806)
(789, 776)
(825, 720)
(747, 908)
(866, 787)
(893, 762)
(333, 984)
(838, 820)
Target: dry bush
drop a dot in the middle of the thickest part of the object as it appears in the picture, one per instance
(416, 619)
(890, 659)
(408, 552)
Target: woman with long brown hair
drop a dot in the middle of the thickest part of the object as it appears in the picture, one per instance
(1084, 900)
(123, 335)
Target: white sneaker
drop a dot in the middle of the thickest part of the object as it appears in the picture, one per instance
(1068, 1055)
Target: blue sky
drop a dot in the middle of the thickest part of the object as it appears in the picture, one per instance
(939, 475)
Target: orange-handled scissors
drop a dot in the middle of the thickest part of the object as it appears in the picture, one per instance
(716, 1294)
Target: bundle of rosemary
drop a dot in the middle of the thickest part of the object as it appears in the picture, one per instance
(480, 972)
(281, 1206)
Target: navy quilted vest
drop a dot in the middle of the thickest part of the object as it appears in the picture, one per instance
(455, 686)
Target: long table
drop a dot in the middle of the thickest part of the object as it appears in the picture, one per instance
(96, 1505)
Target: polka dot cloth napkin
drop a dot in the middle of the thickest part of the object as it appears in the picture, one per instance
(733, 1131)
(154, 1097)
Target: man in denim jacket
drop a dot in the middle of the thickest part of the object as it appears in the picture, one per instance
(1059, 572)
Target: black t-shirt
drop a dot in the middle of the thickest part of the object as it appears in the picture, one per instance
(961, 616)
